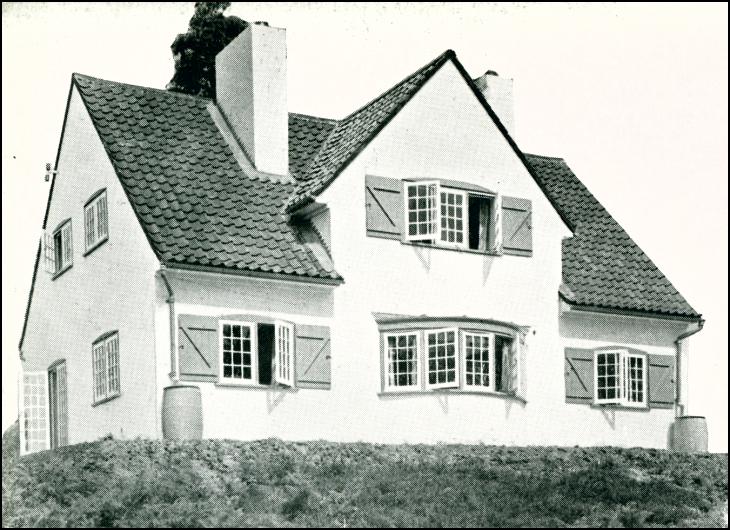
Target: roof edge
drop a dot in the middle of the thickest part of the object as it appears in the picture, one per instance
(245, 273)
(621, 311)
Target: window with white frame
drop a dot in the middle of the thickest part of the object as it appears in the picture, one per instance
(105, 365)
(238, 344)
(450, 217)
(478, 360)
(59, 249)
(401, 361)
(441, 370)
(620, 378)
(284, 353)
(96, 220)
(34, 431)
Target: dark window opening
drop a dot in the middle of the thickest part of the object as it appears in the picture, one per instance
(58, 249)
(266, 352)
(479, 221)
(502, 349)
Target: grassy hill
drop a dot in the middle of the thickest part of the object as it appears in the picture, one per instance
(273, 483)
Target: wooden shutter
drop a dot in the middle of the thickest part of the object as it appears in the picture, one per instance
(578, 375)
(313, 352)
(198, 347)
(516, 226)
(384, 207)
(662, 381)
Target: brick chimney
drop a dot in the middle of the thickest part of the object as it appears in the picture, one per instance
(498, 93)
(250, 77)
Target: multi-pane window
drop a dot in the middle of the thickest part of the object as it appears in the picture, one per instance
(401, 360)
(105, 365)
(59, 249)
(451, 217)
(237, 350)
(422, 211)
(441, 353)
(620, 378)
(34, 413)
(96, 220)
(58, 404)
(453, 209)
(478, 361)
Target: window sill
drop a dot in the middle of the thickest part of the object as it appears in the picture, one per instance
(619, 406)
(254, 386)
(105, 400)
(452, 248)
(62, 271)
(449, 391)
(96, 245)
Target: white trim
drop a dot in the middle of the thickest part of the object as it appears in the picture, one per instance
(435, 220)
(491, 352)
(464, 218)
(644, 386)
(618, 375)
(43, 374)
(447, 384)
(622, 397)
(254, 380)
(287, 365)
(91, 212)
(417, 386)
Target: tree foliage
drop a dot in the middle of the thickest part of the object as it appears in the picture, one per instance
(194, 51)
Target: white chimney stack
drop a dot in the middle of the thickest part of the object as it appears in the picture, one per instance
(498, 93)
(250, 77)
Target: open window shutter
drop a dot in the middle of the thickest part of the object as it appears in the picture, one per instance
(198, 347)
(384, 207)
(516, 226)
(49, 253)
(520, 365)
(662, 382)
(578, 375)
(34, 421)
(313, 352)
(67, 238)
(283, 364)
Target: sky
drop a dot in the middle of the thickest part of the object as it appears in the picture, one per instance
(633, 96)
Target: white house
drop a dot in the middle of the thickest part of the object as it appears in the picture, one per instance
(404, 274)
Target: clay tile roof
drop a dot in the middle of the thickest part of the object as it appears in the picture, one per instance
(602, 266)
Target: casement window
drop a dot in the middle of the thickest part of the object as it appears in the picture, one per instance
(448, 214)
(441, 368)
(284, 353)
(238, 344)
(620, 378)
(105, 367)
(58, 249)
(401, 361)
(58, 404)
(96, 221)
(451, 359)
(34, 427)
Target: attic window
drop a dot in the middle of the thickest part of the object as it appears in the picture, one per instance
(451, 217)
(96, 221)
(58, 249)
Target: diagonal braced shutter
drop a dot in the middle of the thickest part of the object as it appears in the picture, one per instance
(384, 207)
(661, 381)
(198, 347)
(516, 226)
(313, 352)
(578, 375)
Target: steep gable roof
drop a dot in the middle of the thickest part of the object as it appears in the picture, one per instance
(193, 200)
(602, 266)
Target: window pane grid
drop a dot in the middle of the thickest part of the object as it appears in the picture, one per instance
(422, 210)
(96, 220)
(402, 360)
(62, 399)
(90, 225)
(99, 365)
(112, 349)
(452, 217)
(101, 217)
(237, 352)
(284, 350)
(441, 357)
(607, 383)
(635, 379)
(476, 354)
(35, 428)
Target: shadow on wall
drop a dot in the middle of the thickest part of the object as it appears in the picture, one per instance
(620, 329)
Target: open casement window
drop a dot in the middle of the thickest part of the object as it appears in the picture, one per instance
(96, 221)
(453, 218)
(620, 378)
(284, 356)
(401, 361)
(34, 427)
(238, 350)
(478, 350)
(105, 365)
(422, 211)
(58, 404)
(442, 358)
(58, 248)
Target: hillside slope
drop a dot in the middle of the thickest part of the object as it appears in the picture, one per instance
(273, 483)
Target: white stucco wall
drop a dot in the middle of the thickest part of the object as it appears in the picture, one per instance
(110, 289)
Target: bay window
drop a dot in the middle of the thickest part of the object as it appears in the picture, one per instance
(401, 361)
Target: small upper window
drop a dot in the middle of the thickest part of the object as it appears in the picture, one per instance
(96, 220)
(105, 364)
(451, 217)
(59, 249)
